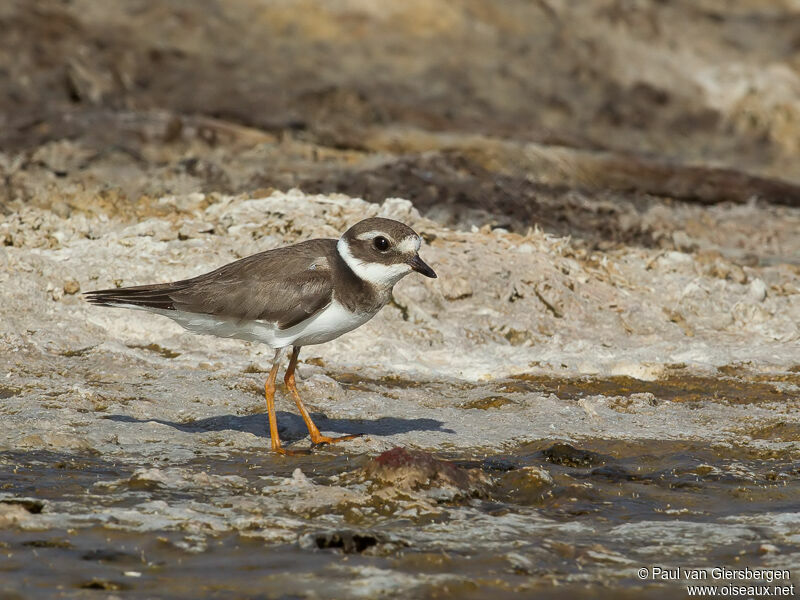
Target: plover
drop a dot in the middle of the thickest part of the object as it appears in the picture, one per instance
(308, 293)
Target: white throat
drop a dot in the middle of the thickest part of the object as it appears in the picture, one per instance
(382, 276)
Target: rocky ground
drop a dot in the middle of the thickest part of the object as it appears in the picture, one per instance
(525, 343)
(605, 376)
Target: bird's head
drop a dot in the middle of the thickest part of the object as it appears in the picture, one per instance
(382, 251)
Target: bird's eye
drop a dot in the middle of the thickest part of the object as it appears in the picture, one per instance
(381, 243)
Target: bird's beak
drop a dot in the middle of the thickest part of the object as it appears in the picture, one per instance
(419, 266)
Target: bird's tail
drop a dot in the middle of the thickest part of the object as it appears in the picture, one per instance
(141, 296)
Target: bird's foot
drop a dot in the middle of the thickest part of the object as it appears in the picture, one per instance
(318, 440)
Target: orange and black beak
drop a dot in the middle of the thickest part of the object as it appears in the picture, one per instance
(420, 266)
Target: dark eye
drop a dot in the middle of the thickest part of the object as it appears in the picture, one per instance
(381, 243)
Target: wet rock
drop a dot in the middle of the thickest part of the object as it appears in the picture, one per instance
(599, 553)
(561, 549)
(499, 463)
(299, 480)
(569, 456)
(414, 470)
(12, 515)
(528, 485)
(520, 565)
(768, 549)
(103, 584)
(150, 479)
(780, 430)
(614, 473)
(304, 497)
(348, 542)
(31, 505)
(537, 475)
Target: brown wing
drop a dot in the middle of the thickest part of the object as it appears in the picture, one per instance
(285, 286)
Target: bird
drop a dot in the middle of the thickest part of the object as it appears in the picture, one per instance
(307, 293)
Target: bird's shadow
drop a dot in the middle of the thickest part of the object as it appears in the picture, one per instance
(292, 427)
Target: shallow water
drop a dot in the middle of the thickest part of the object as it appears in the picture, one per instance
(611, 507)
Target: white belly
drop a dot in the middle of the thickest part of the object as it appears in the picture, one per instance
(323, 327)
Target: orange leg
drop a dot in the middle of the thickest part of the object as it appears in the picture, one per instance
(269, 394)
(316, 436)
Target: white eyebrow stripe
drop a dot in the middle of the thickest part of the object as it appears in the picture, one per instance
(383, 276)
(410, 244)
(373, 234)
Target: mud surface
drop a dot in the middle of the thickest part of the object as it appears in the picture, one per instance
(228, 526)
(605, 377)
